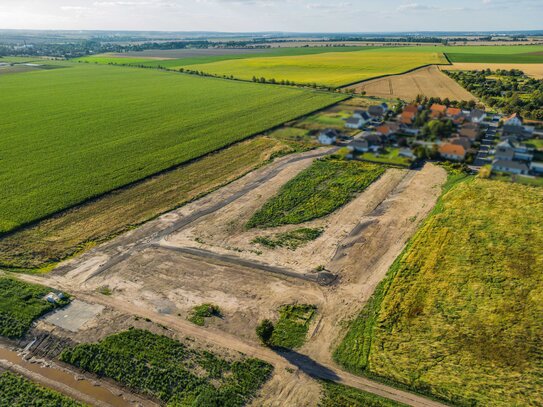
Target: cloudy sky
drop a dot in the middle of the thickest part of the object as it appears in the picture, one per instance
(274, 15)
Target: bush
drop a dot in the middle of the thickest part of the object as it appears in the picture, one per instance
(264, 331)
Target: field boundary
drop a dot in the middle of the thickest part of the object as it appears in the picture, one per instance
(169, 169)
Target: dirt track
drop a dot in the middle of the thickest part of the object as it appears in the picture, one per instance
(427, 81)
(164, 285)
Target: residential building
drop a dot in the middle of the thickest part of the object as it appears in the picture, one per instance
(354, 123)
(359, 146)
(471, 131)
(536, 168)
(437, 110)
(511, 167)
(454, 112)
(461, 141)
(378, 110)
(328, 137)
(477, 116)
(408, 153)
(513, 120)
(452, 152)
(407, 118)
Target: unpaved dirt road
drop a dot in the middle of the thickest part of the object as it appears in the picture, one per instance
(427, 81)
(164, 285)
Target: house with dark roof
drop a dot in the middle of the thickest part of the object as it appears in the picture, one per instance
(471, 131)
(378, 110)
(359, 146)
(513, 120)
(510, 167)
(328, 137)
(477, 116)
(354, 123)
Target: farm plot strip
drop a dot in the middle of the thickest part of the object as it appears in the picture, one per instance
(76, 133)
(466, 291)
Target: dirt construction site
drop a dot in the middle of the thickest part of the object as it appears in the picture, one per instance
(202, 253)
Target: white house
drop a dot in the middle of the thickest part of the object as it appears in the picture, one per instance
(328, 137)
(513, 120)
(359, 146)
(355, 123)
(511, 167)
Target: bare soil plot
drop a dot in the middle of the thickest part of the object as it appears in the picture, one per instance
(533, 70)
(427, 81)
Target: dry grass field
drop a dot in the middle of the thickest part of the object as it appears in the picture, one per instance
(428, 81)
(533, 70)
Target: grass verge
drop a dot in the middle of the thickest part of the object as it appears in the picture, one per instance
(337, 395)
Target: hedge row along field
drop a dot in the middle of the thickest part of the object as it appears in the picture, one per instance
(73, 133)
(168, 370)
(317, 191)
(18, 391)
(459, 314)
(20, 304)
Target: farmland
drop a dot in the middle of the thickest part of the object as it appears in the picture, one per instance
(170, 371)
(459, 313)
(61, 236)
(427, 81)
(317, 191)
(17, 391)
(75, 133)
(337, 395)
(330, 69)
(20, 304)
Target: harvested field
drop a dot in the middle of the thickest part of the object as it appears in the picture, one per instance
(533, 70)
(427, 81)
(187, 53)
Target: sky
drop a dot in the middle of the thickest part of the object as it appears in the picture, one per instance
(273, 15)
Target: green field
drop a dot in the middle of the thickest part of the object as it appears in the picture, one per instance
(17, 391)
(338, 395)
(391, 156)
(74, 133)
(20, 304)
(170, 371)
(316, 192)
(459, 315)
(119, 59)
(291, 329)
(331, 69)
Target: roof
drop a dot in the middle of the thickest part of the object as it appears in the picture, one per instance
(452, 149)
(407, 117)
(438, 108)
(477, 113)
(514, 165)
(376, 110)
(329, 133)
(353, 120)
(384, 129)
(461, 141)
(411, 108)
(513, 116)
(454, 111)
(359, 143)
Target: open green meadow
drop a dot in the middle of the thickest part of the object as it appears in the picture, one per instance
(17, 391)
(170, 371)
(459, 315)
(20, 304)
(75, 133)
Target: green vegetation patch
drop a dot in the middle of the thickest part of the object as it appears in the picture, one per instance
(75, 133)
(509, 91)
(391, 156)
(291, 329)
(170, 371)
(337, 395)
(317, 191)
(201, 312)
(459, 313)
(291, 240)
(18, 391)
(20, 304)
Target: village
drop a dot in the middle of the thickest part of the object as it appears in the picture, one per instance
(429, 129)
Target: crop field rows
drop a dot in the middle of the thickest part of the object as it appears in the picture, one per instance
(88, 129)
